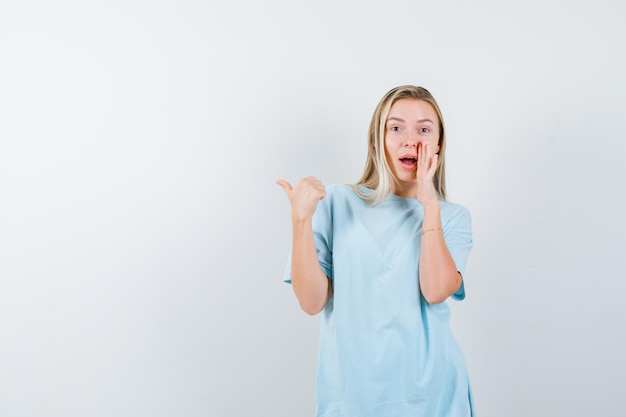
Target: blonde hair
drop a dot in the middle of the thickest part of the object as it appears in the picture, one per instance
(377, 175)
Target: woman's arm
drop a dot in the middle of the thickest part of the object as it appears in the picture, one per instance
(312, 287)
(310, 284)
(438, 275)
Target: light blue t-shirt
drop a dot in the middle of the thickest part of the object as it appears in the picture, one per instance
(384, 351)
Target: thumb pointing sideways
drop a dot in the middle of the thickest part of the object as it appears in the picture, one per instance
(285, 186)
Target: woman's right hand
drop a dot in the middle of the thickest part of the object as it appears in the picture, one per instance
(304, 197)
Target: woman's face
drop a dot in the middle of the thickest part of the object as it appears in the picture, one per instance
(410, 122)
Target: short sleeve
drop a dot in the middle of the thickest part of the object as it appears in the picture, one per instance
(458, 236)
(322, 233)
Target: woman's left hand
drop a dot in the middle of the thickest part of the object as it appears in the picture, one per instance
(426, 166)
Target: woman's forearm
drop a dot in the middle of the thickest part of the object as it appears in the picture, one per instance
(310, 283)
(438, 275)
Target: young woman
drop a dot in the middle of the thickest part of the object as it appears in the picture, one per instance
(380, 258)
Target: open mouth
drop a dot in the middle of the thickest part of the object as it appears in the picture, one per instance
(408, 162)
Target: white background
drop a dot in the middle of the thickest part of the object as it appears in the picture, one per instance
(143, 239)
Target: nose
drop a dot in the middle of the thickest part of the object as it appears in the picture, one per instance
(411, 140)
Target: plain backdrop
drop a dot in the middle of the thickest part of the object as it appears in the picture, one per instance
(143, 238)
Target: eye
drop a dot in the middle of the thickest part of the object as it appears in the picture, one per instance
(395, 128)
(424, 130)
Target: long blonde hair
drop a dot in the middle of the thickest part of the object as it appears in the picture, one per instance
(377, 175)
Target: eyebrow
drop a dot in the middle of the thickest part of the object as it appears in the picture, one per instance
(402, 120)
